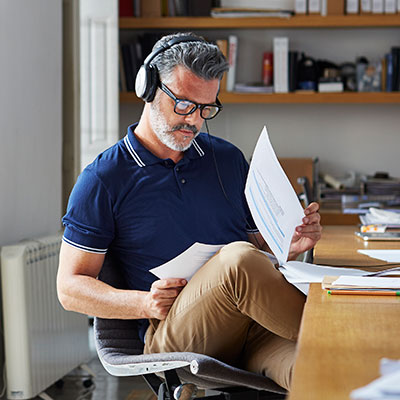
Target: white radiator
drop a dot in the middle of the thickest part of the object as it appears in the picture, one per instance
(43, 342)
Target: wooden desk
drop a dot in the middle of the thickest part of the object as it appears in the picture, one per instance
(342, 338)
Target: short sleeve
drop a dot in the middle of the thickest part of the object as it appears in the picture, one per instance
(89, 221)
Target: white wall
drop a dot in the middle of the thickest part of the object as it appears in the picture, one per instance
(364, 138)
(30, 118)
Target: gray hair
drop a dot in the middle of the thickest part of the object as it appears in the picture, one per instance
(202, 58)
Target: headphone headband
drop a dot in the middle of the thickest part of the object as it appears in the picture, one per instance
(147, 77)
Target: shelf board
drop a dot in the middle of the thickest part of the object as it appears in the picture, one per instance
(297, 21)
(295, 98)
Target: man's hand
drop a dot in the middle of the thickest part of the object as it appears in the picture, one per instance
(161, 297)
(308, 233)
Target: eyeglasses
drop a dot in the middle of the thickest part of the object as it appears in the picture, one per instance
(187, 107)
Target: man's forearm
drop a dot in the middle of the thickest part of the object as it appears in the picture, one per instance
(87, 295)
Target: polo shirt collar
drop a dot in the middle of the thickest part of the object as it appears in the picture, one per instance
(144, 157)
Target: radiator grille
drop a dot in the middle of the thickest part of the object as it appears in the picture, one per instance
(43, 342)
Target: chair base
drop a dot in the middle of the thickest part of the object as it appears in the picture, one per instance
(167, 390)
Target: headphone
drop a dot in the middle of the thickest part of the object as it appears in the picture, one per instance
(147, 78)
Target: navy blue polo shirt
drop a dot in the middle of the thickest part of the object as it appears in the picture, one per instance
(146, 210)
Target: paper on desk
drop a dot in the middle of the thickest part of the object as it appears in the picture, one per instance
(273, 203)
(386, 387)
(187, 263)
(301, 274)
(367, 282)
(390, 256)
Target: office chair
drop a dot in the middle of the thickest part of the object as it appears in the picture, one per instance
(172, 375)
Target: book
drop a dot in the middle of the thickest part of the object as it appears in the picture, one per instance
(125, 8)
(281, 64)
(314, 6)
(300, 6)
(350, 282)
(390, 6)
(396, 69)
(377, 6)
(253, 87)
(127, 61)
(199, 8)
(259, 4)
(366, 6)
(330, 85)
(223, 46)
(122, 75)
(232, 60)
(335, 7)
(150, 8)
(389, 71)
(249, 13)
(352, 7)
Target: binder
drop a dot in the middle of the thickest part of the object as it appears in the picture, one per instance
(377, 6)
(281, 64)
(300, 6)
(232, 59)
(223, 46)
(390, 6)
(335, 7)
(366, 6)
(352, 7)
(314, 6)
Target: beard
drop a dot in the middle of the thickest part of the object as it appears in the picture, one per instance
(165, 131)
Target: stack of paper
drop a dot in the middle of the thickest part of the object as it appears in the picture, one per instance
(361, 283)
(384, 388)
(390, 256)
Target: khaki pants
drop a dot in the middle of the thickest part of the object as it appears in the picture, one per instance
(237, 308)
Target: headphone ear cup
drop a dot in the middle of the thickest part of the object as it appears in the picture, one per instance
(146, 82)
(152, 84)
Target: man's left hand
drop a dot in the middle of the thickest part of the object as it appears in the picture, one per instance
(308, 233)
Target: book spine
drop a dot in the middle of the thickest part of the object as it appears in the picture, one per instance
(126, 57)
(293, 67)
(335, 7)
(314, 6)
(390, 6)
(232, 59)
(223, 46)
(300, 6)
(125, 8)
(377, 6)
(396, 69)
(324, 8)
(281, 70)
(352, 7)
(366, 6)
(150, 8)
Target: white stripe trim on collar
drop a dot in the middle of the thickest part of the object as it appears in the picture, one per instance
(198, 148)
(132, 152)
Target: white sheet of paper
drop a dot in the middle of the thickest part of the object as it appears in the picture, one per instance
(390, 256)
(366, 281)
(272, 201)
(301, 274)
(187, 263)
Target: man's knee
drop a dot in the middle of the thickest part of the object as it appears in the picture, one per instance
(243, 257)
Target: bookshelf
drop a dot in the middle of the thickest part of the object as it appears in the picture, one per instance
(297, 21)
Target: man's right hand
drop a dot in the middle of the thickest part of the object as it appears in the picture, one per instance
(161, 297)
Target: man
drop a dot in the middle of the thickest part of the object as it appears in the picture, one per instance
(156, 192)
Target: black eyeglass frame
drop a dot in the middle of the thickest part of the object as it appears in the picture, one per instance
(196, 105)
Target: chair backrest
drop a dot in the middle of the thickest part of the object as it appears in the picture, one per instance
(298, 167)
(121, 337)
